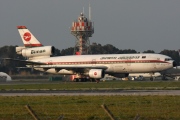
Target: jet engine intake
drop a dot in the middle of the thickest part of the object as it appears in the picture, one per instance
(96, 73)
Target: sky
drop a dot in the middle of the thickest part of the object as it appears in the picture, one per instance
(126, 24)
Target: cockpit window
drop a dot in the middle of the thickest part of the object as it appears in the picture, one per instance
(168, 59)
(143, 56)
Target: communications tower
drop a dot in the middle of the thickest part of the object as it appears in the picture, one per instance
(82, 29)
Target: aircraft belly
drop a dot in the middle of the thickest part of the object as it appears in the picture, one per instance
(141, 68)
(163, 66)
(119, 68)
(116, 69)
(138, 68)
(147, 67)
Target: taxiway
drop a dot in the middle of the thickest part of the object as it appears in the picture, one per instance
(87, 92)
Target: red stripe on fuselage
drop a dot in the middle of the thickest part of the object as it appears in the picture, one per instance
(105, 62)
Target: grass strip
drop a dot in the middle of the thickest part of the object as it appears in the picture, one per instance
(141, 85)
(89, 107)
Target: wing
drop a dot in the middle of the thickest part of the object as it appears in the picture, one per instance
(33, 64)
(25, 61)
(72, 67)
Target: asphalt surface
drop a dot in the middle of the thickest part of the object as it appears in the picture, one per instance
(79, 92)
(87, 92)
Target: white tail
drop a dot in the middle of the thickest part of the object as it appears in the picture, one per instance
(27, 37)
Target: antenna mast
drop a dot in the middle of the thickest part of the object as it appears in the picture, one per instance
(89, 12)
(82, 29)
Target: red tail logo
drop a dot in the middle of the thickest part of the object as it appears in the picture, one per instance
(27, 36)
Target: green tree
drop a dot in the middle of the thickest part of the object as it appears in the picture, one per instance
(68, 51)
(149, 51)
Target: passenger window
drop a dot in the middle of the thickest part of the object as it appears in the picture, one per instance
(143, 56)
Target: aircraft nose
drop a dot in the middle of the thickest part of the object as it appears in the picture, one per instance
(174, 64)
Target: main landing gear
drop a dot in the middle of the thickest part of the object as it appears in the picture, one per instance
(152, 78)
(86, 80)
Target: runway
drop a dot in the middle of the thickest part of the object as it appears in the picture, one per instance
(91, 90)
(87, 92)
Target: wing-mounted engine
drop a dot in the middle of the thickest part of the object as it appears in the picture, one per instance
(35, 52)
(96, 73)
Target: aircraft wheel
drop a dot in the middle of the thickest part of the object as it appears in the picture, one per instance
(92, 80)
(83, 79)
(151, 78)
(164, 78)
(76, 79)
(97, 80)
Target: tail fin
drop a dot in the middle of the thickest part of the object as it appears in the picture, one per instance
(27, 37)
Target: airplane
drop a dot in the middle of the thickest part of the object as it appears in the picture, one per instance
(92, 67)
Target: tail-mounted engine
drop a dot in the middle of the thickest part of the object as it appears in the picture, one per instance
(35, 51)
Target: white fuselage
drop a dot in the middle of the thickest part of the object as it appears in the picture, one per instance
(115, 63)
